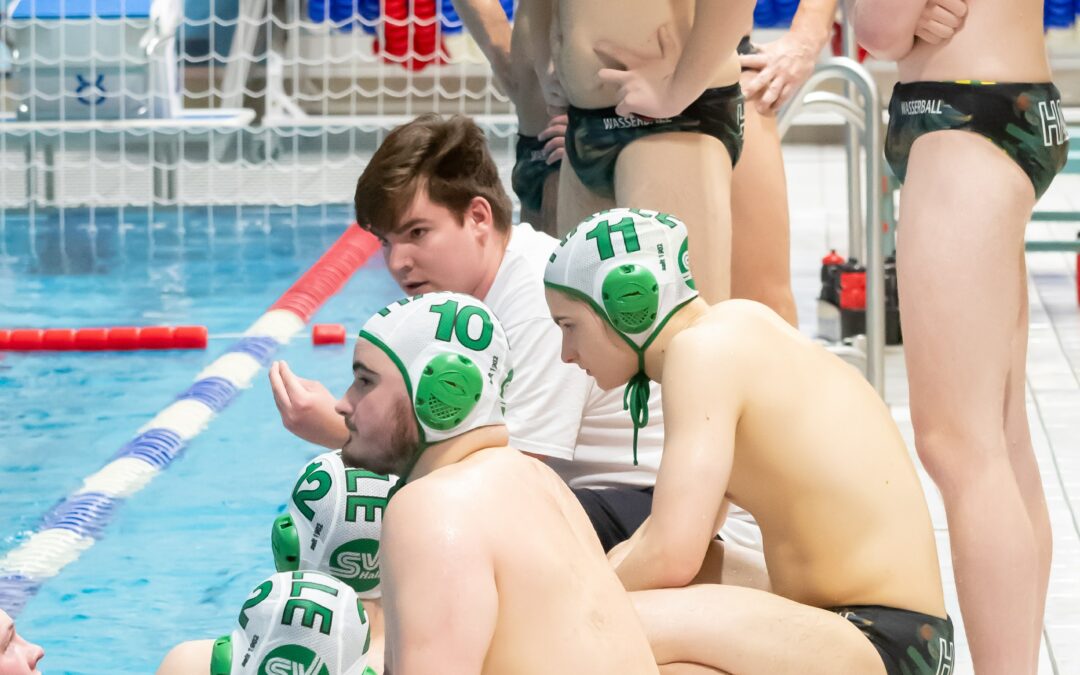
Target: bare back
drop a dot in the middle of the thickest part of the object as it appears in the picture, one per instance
(821, 465)
(560, 607)
(1000, 40)
(582, 23)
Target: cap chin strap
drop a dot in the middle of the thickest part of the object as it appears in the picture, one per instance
(636, 399)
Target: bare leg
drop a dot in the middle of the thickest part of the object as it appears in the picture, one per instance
(576, 202)
(760, 229)
(1024, 464)
(960, 290)
(532, 118)
(549, 212)
(745, 631)
(687, 175)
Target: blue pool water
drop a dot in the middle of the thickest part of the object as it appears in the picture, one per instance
(180, 556)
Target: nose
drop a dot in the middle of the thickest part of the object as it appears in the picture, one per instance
(398, 259)
(343, 407)
(568, 354)
(37, 653)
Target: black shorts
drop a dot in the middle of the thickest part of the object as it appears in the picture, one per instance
(615, 512)
(1024, 120)
(596, 136)
(530, 172)
(910, 643)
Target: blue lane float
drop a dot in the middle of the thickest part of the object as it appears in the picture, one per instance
(73, 525)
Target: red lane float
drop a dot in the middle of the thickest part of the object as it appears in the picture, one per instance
(328, 334)
(329, 274)
(119, 338)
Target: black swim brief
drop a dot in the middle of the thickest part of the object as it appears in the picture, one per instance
(910, 643)
(615, 512)
(595, 137)
(530, 172)
(1024, 120)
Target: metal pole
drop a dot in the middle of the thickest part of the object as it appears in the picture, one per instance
(856, 245)
(869, 133)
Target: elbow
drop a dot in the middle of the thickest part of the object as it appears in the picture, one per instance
(676, 569)
(884, 40)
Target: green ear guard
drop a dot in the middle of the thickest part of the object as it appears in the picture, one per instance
(221, 657)
(631, 298)
(449, 389)
(286, 544)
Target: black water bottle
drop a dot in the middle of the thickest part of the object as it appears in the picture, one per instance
(828, 306)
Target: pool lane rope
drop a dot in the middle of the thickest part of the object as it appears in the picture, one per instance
(73, 525)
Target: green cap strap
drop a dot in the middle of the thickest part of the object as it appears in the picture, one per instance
(636, 400)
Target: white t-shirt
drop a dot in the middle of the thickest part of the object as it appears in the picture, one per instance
(554, 409)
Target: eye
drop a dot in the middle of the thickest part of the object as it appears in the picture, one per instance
(362, 381)
(384, 241)
(417, 232)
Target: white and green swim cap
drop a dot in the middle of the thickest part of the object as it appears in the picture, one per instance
(455, 359)
(632, 267)
(334, 524)
(296, 622)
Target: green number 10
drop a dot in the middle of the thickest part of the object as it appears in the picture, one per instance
(455, 323)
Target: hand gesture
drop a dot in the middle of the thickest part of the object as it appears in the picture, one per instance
(307, 408)
(644, 81)
(555, 135)
(782, 66)
(940, 20)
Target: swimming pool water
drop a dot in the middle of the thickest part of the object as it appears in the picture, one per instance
(180, 556)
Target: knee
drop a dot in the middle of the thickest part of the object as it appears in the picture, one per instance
(955, 458)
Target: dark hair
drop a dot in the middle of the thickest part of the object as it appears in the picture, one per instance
(449, 158)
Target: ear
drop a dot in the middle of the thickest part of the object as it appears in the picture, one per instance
(479, 213)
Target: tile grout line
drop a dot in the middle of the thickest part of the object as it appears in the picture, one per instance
(1042, 421)
(1050, 649)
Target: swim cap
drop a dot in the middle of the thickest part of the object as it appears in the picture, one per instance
(454, 357)
(296, 622)
(632, 267)
(334, 524)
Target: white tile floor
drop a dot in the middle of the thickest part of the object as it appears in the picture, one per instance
(816, 180)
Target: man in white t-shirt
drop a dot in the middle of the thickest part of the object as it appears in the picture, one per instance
(432, 195)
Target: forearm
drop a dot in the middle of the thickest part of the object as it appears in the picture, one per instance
(647, 564)
(540, 15)
(718, 25)
(886, 28)
(487, 24)
(814, 20)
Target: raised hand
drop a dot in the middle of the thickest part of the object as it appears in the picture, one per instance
(307, 408)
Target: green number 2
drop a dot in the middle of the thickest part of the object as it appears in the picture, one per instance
(262, 591)
(455, 323)
(312, 474)
(602, 234)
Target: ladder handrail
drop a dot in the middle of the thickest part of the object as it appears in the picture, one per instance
(865, 102)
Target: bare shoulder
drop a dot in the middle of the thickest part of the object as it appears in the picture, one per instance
(187, 658)
(730, 328)
(449, 502)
